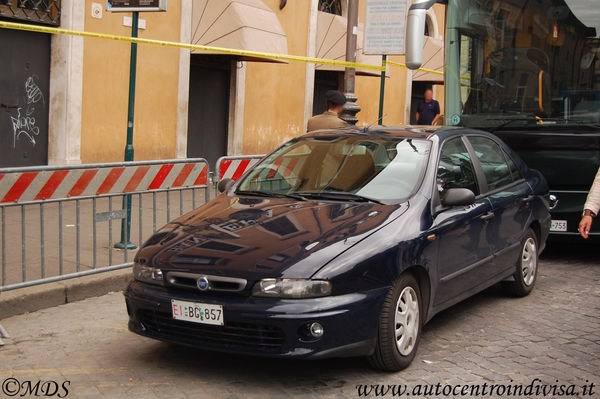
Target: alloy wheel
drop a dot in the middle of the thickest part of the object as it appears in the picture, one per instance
(529, 261)
(407, 320)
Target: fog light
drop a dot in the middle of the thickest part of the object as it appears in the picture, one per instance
(316, 330)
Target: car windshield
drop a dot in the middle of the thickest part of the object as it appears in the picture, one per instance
(341, 167)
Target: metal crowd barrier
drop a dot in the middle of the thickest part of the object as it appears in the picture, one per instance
(57, 221)
(234, 167)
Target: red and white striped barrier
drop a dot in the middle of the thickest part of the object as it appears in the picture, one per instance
(235, 167)
(282, 167)
(45, 183)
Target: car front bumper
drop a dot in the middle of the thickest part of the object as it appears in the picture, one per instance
(261, 326)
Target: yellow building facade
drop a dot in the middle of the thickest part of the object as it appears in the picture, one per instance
(193, 104)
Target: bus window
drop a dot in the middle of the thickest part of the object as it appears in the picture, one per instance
(524, 61)
(465, 68)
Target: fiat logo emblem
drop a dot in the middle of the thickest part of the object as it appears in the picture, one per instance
(202, 283)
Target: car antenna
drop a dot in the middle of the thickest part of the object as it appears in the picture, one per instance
(370, 125)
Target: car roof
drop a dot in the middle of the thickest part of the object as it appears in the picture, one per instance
(407, 131)
(422, 132)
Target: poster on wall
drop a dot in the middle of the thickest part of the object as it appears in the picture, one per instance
(136, 5)
(385, 27)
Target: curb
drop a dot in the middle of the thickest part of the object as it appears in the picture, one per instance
(30, 299)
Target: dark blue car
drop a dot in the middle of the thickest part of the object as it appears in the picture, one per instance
(344, 243)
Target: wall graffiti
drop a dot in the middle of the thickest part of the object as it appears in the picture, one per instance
(33, 92)
(23, 124)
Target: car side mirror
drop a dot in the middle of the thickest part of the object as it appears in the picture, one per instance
(415, 32)
(225, 184)
(458, 197)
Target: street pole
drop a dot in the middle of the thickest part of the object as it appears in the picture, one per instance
(351, 108)
(125, 242)
(382, 88)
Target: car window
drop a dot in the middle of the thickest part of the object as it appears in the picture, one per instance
(381, 168)
(493, 162)
(455, 169)
(514, 169)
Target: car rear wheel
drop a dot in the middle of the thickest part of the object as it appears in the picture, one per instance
(399, 326)
(527, 267)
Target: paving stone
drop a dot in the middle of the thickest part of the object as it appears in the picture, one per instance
(553, 334)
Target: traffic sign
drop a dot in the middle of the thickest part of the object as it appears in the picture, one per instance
(136, 5)
(385, 26)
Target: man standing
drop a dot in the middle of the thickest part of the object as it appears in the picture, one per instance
(330, 119)
(428, 111)
(591, 207)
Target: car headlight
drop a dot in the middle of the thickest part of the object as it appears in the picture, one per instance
(147, 274)
(291, 288)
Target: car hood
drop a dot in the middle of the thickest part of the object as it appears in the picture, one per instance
(255, 238)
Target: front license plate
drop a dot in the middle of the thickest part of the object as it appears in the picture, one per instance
(196, 312)
(558, 225)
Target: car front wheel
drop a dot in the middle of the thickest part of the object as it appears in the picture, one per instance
(527, 267)
(399, 326)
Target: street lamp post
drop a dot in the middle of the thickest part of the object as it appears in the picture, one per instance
(125, 242)
(351, 108)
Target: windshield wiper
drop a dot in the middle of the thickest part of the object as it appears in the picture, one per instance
(257, 193)
(337, 195)
(511, 121)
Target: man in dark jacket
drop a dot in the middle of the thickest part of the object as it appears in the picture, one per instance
(428, 111)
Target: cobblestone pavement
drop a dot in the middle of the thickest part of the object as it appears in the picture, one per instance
(553, 335)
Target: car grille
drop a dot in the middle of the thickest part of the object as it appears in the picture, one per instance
(214, 283)
(231, 336)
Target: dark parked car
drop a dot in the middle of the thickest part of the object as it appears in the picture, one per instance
(344, 243)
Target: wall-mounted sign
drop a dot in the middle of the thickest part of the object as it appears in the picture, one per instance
(136, 5)
(385, 26)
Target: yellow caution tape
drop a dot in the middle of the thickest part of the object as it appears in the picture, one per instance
(424, 70)
(220, 50)
(420, 69)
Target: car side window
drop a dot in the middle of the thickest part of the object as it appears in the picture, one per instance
(455, 169)
(493, 162)
(514, 169)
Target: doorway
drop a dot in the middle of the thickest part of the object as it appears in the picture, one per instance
(417, 95)
(325, 81)
(208, 115)
(24, 78)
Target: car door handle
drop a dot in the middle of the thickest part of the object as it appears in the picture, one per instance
(488, 216)
(527, 199)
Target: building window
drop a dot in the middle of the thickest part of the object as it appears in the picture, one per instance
(281, 226)
(331, 6)
(35, 11)
(430, 26)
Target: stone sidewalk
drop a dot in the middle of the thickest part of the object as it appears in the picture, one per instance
(552, 335)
